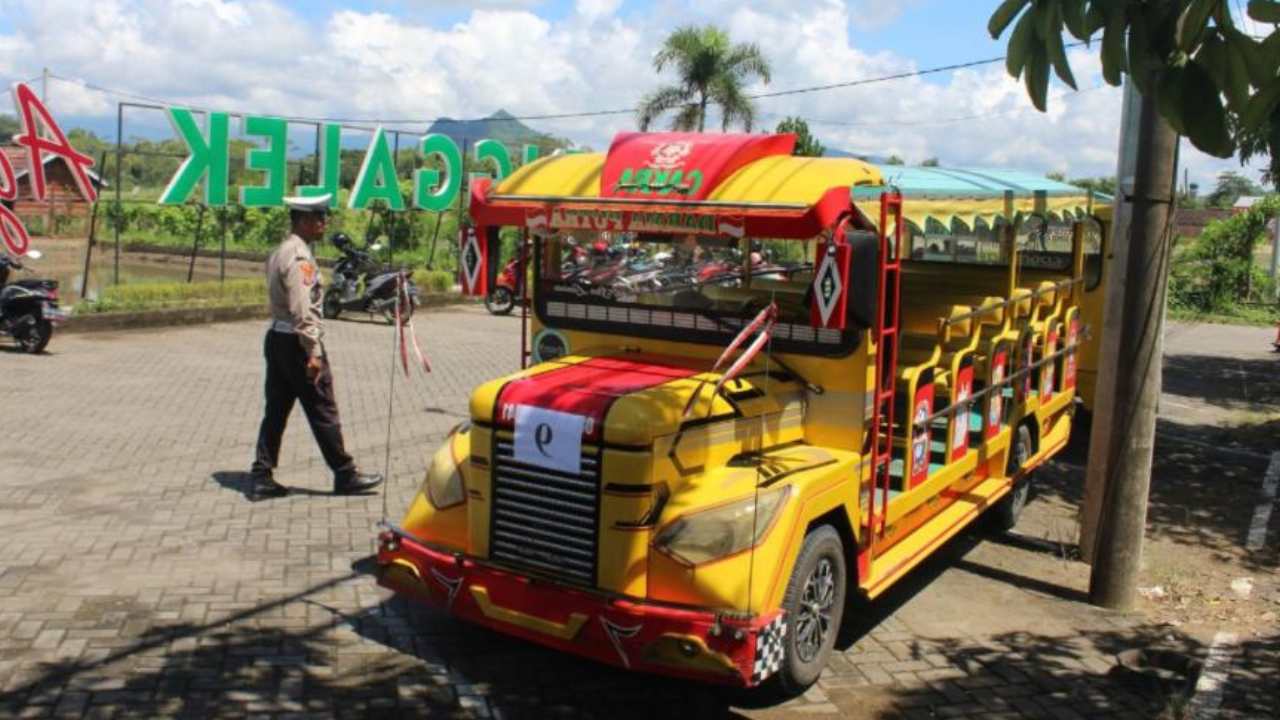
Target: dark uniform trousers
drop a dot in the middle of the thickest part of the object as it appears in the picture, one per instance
(286, 382)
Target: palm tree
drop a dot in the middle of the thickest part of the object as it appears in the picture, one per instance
(712, 71)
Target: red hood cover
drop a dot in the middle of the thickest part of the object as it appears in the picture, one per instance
(588, 388)
(681, 166)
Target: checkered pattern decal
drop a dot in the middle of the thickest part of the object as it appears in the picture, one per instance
(769, 649)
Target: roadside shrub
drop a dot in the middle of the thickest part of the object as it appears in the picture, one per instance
(1216, 272)
(412, 238)
(436, 281)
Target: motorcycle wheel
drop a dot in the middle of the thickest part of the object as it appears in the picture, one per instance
(35, 337)
(500, 301)
(406, 312)
(332, 305)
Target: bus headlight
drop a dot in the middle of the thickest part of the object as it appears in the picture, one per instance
(444, 478)
(708, 535)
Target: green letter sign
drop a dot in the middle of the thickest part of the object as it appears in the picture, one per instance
(425, 179)
(330, 164)
(497, 152)
(270, 160)
(208, 159)
(377, 178)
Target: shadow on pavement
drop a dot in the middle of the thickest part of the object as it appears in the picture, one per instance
(299, 654)
(1250, 383)
(242, 482)
(1206, 483)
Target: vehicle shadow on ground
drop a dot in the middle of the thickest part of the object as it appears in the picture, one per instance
(15, 350)
(251, 663)
(296, 654)
(520, 679)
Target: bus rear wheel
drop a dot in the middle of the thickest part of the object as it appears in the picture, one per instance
(1005, 514)
(814, 606)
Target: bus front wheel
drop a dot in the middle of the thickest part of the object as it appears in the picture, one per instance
(814, 605)
(1005, 514)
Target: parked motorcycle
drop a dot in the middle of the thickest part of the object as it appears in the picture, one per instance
(508, 287)
(28, 307)
(379, 292)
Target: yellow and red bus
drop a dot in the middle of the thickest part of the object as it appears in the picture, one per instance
(753, 387)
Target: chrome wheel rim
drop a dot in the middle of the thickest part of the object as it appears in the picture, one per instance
(813, 616)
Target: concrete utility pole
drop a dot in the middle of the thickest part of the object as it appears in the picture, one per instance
(44, 87)
(1116, 263)
(1123, 438)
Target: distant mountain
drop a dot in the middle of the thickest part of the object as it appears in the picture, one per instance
(500, 126)
(874, 159)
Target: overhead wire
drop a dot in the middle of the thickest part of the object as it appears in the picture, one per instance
(566, 115)
(939, 121)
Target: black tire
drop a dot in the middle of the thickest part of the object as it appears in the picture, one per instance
(500, 301)
(1004, 515)
(35, 336)
(406, 312)
(332, 305)
(814, 605)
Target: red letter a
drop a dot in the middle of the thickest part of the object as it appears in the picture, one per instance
(37, 144)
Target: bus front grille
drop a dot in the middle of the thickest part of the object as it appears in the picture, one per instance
(544, 520)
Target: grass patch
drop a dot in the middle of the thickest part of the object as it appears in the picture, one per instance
(213, 294)
(1256, 315)
(162, 296)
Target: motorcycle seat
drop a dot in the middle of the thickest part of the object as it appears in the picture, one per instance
(12, 292)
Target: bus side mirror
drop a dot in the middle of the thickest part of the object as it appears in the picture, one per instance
(849, 282)
(864, 277)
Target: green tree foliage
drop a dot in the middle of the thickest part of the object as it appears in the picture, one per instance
(1216, 272)
(1102, 185)
(712, 70)
(1255, 143)
(929, 162)
(894, 160)
(1231, 187)
(1188, 54)
(9, 126)
(806, 144)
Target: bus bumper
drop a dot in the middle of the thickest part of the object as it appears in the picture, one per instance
(693, 644)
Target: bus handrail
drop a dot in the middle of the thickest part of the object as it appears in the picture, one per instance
(987, 309)
(1006, 381)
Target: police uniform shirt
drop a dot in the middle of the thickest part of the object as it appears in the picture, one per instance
(294, 293)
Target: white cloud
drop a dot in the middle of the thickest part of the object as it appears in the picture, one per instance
(875, 14)
(261, 56)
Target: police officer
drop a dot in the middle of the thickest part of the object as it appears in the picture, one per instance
(297, 367)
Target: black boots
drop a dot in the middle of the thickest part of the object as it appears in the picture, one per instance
(263, 486)
(354, 482)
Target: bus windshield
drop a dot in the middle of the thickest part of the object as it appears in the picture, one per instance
(680, 287)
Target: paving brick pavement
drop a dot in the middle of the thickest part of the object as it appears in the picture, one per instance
(137, 580)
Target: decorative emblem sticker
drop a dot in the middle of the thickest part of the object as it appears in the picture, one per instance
(670, 156)
(617, 633)
(827, 288)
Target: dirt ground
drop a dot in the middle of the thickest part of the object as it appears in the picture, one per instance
(1219, 425)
